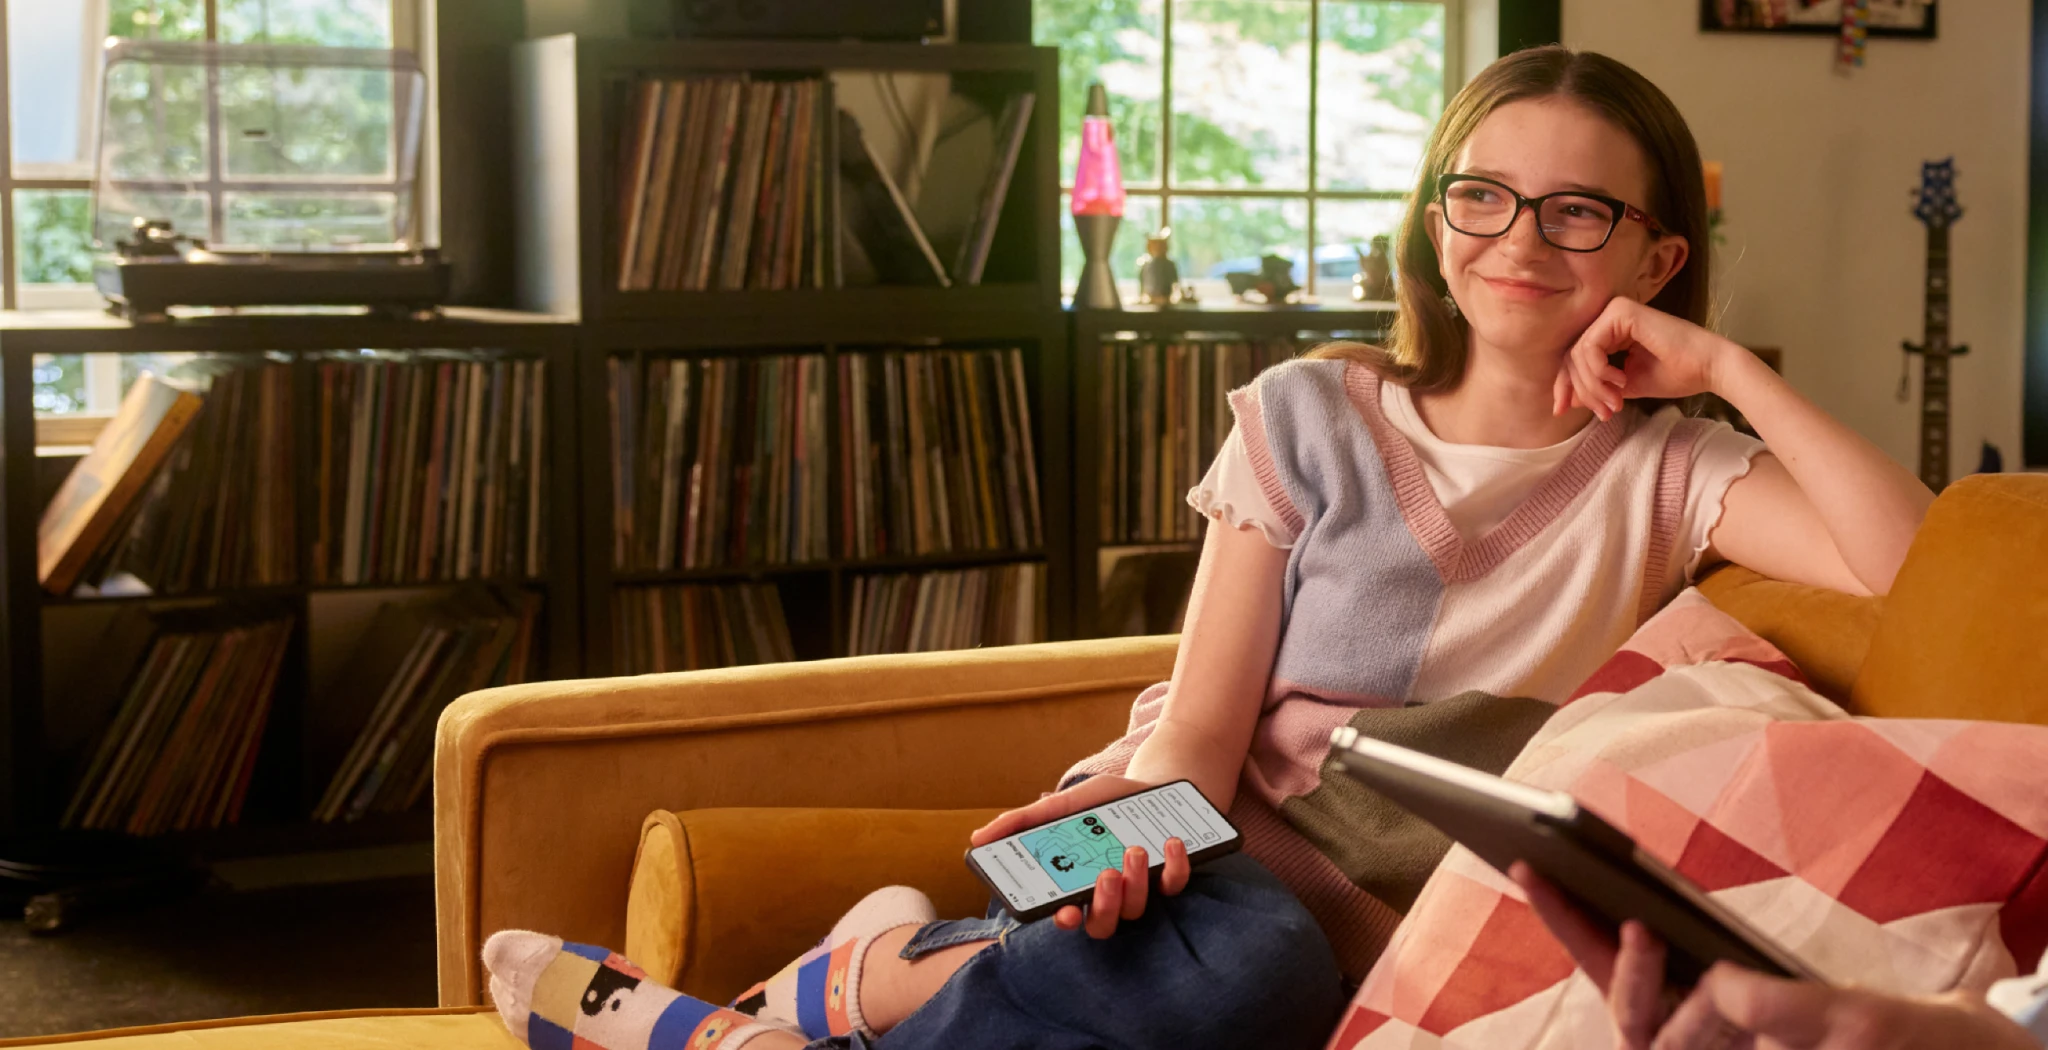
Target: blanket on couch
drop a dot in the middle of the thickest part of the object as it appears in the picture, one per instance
(1903, 855)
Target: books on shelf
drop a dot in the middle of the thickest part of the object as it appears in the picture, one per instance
(222, 512)
(717, 462)
(720, 184)
(949, 609)
(105, 484)
(1164, 411)
(417, 656)
(691, 627)
(936, 453)
(429, 467)
(181, 748)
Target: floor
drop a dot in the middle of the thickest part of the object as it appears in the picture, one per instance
(267, 938)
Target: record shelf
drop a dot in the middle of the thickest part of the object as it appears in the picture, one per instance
(40, 727)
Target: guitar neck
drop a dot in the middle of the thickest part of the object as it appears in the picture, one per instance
(1934, 364)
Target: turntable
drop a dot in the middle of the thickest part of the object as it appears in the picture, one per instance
(237, 176)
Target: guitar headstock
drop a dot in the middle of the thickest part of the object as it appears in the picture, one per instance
(1935, 201)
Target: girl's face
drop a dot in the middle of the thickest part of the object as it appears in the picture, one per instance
(1520, 294)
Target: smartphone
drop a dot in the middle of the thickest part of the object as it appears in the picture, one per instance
(1038, 871)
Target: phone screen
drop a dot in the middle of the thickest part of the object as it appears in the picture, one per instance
(1054, 860)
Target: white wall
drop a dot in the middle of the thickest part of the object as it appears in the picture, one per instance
(1823, 257)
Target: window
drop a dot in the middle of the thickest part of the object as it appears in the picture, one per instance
(1289, 127)
(49, 103)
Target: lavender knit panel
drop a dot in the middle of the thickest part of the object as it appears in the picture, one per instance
(1362, 596)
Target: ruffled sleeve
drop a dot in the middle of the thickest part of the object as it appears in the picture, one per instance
(1230, 493)
(1721, 457)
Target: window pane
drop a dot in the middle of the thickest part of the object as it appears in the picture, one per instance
(156, 121)
(332, 23)
(282, 121)
(1217, 236)
(1141, 216)
(278, 220)
(1381, 67)
(1118, 43)
(59, 383)
(1240, 93)
(154, 19)
(53, 236)
(1345, 230)
(53, 59)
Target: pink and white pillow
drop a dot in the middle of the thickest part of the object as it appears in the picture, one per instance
(1903, 855)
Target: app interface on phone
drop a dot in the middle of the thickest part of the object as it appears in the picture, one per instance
(1036, 866)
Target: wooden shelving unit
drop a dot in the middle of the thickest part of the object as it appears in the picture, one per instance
(567, 99)
(283, 785)
(1090, 329)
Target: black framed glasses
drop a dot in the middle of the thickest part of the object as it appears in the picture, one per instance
(1572, 221)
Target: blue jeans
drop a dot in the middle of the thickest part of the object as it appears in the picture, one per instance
(1233, 961)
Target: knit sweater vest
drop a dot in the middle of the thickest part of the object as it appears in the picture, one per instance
(1394, 625)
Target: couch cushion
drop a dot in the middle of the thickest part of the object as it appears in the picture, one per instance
(447, 1028)
(722, 898)
(1964, 632)
(1827, 633)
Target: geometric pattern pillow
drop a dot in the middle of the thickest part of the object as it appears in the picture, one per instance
(1903, 855)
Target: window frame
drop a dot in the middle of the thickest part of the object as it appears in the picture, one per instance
(406, 33)
(1166, 191)
(103, 371)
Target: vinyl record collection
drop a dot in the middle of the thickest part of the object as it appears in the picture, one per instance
(429, 467)
(721, 185)
(219, 514)
(417, 656)
(1164, 413)
(936, 454)
(718, 462)
(181, 747)
(952, 609)
(696, 626)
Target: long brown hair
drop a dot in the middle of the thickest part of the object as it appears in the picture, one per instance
(1427, 348)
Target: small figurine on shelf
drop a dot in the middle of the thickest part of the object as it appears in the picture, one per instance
(1375, 280)
(1158, 277)
(1188, 295)
(1273, 284)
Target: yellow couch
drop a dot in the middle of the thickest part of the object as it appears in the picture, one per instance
(759, 802)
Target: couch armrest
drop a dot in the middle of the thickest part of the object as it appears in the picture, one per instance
(540, 790)
(1827, 633)
(722, 898)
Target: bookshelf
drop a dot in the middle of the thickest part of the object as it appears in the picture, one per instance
(817, 593)
(587, 140)
(571, 105)
(60, 700)
(1128, 484)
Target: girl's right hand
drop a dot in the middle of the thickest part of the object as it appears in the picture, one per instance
(1119, 895)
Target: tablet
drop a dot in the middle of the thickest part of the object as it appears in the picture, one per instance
(1589, 860)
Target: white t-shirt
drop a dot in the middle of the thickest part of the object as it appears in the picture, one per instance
(1478, 485)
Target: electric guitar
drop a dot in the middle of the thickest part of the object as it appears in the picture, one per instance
(1935, 205)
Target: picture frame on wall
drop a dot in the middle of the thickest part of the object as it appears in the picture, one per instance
(1888, 18)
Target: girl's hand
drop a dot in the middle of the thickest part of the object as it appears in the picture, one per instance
(1737, 1009)
(1119, 895)
(1668, 357)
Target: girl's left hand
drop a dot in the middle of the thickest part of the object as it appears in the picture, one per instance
(1668, 357)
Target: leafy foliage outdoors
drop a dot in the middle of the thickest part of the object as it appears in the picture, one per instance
(1386, 91)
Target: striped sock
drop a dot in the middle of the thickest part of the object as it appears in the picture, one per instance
(819, 993)
(560, 996)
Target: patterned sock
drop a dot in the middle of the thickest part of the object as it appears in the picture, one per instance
(559, 996)
(819, 993)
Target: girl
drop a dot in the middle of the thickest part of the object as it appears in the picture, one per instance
(1438, 539)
